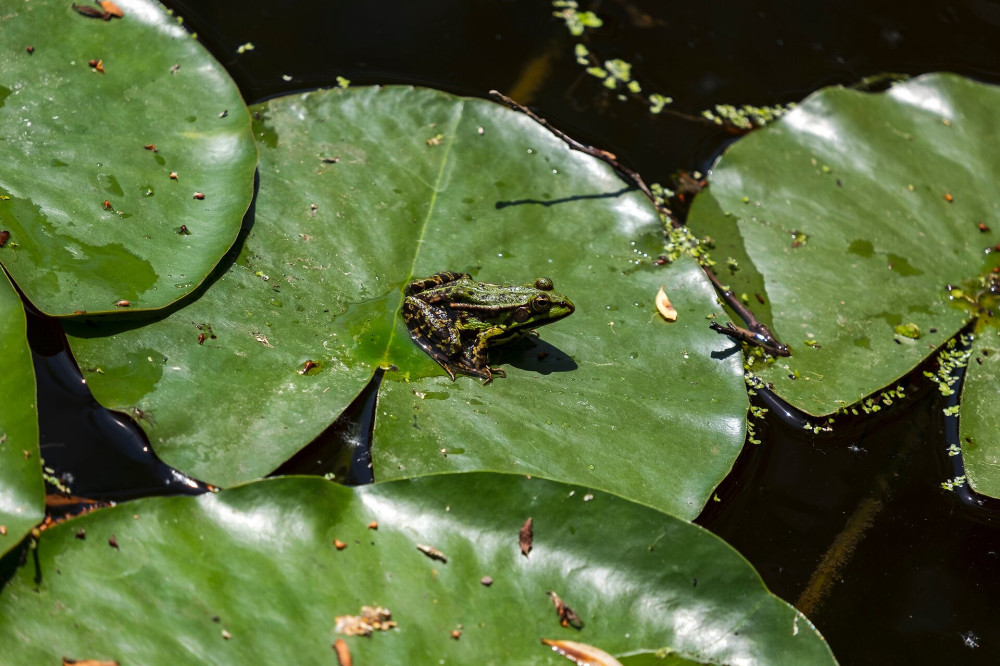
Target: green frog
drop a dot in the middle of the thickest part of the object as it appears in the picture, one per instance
(455, 319)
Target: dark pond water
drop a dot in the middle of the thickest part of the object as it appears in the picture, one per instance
(852, 526)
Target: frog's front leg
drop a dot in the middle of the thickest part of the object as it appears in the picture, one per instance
(433, 329)
(477, 355)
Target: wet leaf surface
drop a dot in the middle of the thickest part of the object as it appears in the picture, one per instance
(320, 279)
(979, 420)
(267, 571)
(92, 209)
(856, 218)
(22, 494)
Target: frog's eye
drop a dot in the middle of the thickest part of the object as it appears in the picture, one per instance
(545, 284)
(541, 303)
(521, 315)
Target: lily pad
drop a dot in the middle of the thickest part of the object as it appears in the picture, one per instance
(88, 196)
(871, 218)
(261, 573)
(361, 190)
(22, 493)
(979, 420)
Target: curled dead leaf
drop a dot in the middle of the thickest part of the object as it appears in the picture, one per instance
(581, 653)
(372, 618)
(343, 654)
(666, 309)
(526, 537)
(432, 552)
(567, 616)
(111, 8)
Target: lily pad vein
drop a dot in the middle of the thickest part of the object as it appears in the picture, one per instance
(451, 135)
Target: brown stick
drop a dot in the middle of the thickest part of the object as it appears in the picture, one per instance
(759, 334)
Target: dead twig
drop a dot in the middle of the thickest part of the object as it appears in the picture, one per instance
(756, 332)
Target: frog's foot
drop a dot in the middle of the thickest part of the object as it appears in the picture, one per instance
(489, 373)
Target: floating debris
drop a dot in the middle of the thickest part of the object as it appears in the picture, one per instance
(343, 653)
(567, 616)
(526, 537)
(664, 306)
(432, 552)
(372, 618)
(581, 653)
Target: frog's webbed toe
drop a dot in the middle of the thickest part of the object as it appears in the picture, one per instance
(490, 373)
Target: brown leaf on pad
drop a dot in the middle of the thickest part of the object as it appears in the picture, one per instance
(372, 618)
(343, 654)
(567, 616)
(111, 8)
(432, 553)
(91, 12)
(526, 537)
(582, 654)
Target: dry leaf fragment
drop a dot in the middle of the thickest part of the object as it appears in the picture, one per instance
(432, 552)
(567, 616)
(582, 654)
(111, 8)
(372, 618)
(91, 12)
(663, 304)
(525, 537)
(343, 654)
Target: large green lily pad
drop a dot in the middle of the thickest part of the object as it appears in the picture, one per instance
(252, 575)
(93, 214)
(415, 182)
(862, 212)
(979, 418)
(22, 493)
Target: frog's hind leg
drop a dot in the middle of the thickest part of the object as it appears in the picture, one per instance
(436, 280)
(431, 329)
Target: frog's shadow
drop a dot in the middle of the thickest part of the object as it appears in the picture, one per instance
(533, 355)
(553, 202)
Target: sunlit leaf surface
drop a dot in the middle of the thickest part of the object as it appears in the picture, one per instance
(869, 219)
(362, 190)
(87, 193)
(263, 574)
(22, 494)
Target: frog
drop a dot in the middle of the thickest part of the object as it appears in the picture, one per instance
(456, 319)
